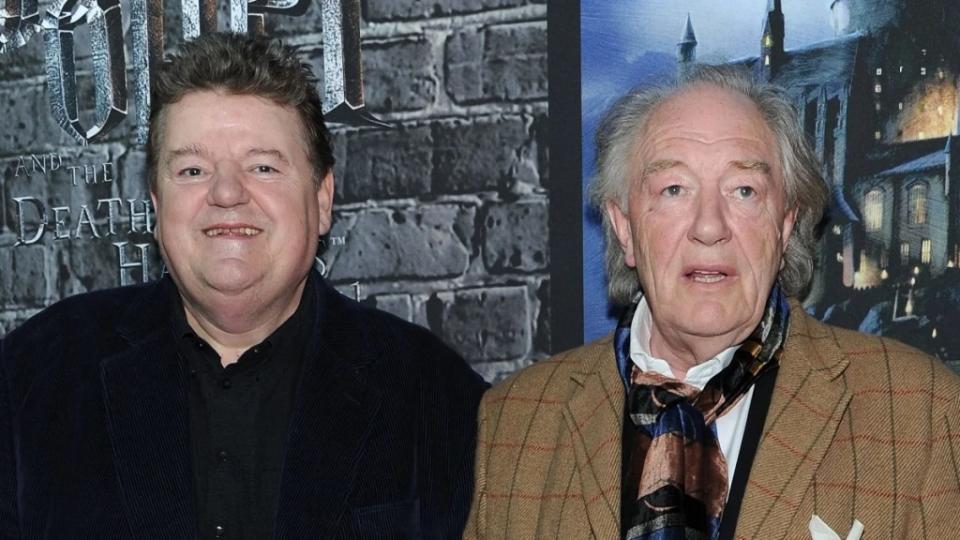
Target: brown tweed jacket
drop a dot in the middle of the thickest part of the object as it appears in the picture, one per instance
(859, 427)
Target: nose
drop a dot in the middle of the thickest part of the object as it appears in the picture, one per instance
(709, 225)
(227, 188)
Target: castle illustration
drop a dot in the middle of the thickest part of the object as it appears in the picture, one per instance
(879, 101)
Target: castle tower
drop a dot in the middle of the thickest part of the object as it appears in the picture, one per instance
(686, 48)
(771, 40)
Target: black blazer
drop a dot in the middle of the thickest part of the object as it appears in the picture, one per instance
(94, 426)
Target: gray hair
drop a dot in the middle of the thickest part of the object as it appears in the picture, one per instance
(626, 122)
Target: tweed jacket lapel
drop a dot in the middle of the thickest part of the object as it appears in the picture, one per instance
(594, 418)
(808, 402)
(146, 405)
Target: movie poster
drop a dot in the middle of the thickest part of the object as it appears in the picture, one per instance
(439, 123)
(875, 83)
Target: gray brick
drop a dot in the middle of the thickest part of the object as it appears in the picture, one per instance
(23, 62)
(392, 244)
(485, 324)
(27, 122)
(23, 280)
(397, 304)
(543, 339)
(398, 75)
(132, 182)
(476, 155)
(385, 10)
(516, 237)
(93, 264)
(504, 62)
(383, 164)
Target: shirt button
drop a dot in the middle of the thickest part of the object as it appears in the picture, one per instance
(218, 530)
(222, 456)
(256, 350)
(225, 383)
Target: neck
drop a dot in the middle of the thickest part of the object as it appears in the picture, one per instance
(232, 325)
(682, 352)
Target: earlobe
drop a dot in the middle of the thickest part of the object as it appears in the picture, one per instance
(789, 220)
(621, 228)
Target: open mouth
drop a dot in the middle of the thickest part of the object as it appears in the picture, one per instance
(706, 276)
(232, 232)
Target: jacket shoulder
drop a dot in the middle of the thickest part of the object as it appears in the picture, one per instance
(551, 381)
(882, 364)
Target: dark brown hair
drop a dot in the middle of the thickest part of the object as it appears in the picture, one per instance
(243, 65)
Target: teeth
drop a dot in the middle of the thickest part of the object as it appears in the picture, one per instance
(707, 277)
(239, 231)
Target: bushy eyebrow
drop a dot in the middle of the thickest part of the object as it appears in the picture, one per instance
(752, 165)
(657, 166)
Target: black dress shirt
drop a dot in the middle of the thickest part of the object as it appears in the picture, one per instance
(239, 419)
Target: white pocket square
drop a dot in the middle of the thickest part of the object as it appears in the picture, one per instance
(821, 531)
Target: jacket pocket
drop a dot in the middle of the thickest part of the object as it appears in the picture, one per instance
(394, 520)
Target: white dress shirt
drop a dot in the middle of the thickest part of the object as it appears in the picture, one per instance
(729, 427)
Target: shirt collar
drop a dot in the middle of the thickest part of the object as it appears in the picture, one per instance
(641, 356)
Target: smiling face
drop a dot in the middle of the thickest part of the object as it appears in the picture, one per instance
(705, 223)
(238, 212)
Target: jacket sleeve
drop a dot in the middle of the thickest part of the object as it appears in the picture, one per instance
(476, 522)
(940, 495)
(9, 528)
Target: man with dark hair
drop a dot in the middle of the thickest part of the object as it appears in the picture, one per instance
(240, 397)
(717, 408)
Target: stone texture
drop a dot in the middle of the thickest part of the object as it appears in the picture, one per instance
(416, 242)
(386, 10)
(398, 75)
(484, 324)
(23, 281)
(516, 237)
(476, 155)
(389, 163)
(397, 304)
(466, 101)
(507, 62)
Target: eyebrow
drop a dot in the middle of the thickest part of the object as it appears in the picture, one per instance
(189, 150)
(745, 165)
(268, 152)
(657, 166)
(752, 165)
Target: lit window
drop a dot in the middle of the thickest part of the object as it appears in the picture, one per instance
(877, 135)
(900, 106)
(923, 52)
(766, 60)
(901, 69)
(873, 210)
(767, 41)
(876, 106)
(879, 71)
(940, 74)
(925, 251)
(918, 203)
(923, 71)
(904, 252)
(877, 88)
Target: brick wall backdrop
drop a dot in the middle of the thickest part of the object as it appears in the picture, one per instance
(441, 220)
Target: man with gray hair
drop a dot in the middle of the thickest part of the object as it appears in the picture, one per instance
(718, 408)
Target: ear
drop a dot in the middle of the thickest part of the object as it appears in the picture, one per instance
(156, 225)
(789, 220)
(621, 227)
(325, 201)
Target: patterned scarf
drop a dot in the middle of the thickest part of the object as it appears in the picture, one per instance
(674, 473)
